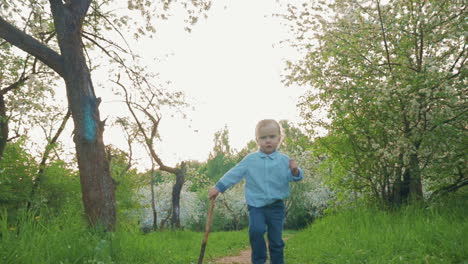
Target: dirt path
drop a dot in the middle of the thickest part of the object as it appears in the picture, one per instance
(242, 258)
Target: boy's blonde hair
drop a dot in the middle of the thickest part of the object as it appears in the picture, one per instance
(266, 122)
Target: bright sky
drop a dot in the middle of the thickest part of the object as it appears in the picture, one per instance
(230, 69)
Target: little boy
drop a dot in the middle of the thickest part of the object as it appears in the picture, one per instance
(267, 174)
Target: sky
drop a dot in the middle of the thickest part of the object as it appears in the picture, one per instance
(229, 68)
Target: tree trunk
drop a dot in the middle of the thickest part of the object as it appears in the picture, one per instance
(415, 183)
(3, 126)
(176, 190)
(153, 202)
(410, 188)
(395, 199)
(97, 185)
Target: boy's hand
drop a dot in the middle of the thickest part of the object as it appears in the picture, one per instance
(294, 168)
(213, 193)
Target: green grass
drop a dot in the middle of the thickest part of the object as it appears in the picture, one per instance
(175, 246)
(66, 239)
(437, 234)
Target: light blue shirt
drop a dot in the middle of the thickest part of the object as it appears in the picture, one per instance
(266, 176)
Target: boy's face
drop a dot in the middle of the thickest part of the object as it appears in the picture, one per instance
(268, 138)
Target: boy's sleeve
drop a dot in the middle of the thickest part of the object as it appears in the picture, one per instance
(298, 177)
(233, 176)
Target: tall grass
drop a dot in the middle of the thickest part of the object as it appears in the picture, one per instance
(66, 239)
(412, 234)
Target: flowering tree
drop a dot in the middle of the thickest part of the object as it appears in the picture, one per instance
(24, 86)
(146, 116)
(391, 79)
(311, 196)
(232, 206)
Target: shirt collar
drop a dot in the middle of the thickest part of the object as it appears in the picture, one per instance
(271, 156)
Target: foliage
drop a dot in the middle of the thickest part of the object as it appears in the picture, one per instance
(17, 169)
(10, 64)
(390, 78)
(196, 180)
(411, 234)
(26, 82)
(309, 197)
(249, 148)
(59, 188)
(59, 185)
(128, 181)
(221, 158)
(294, 140)
(107, 15)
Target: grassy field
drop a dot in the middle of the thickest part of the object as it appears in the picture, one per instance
(435, 234)
(67, 240)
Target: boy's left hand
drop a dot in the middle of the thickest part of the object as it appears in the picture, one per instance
(294, 168)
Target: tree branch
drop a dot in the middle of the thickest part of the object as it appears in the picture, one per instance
(31, 46)
(148, 140)
(13, 85)
(387, 53)
(459, 183)
(87, 34)
(461, 55)
(456, 117)
(51, 143)
(130, 155)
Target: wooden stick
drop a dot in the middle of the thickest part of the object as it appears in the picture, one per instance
(207, 231)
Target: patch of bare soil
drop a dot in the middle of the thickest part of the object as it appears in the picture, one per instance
(242, 258)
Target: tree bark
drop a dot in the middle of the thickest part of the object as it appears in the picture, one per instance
(410, 187)
(176, 190)
(415, 184)
(153, 201)
(3, 126)
(97, 185)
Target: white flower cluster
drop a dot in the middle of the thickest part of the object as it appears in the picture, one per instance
(232, 204)
(191, 208)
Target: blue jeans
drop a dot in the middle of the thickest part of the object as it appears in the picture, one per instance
(267, 219)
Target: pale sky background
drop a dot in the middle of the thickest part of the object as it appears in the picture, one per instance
(230, 69)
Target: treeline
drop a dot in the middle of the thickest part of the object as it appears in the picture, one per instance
(147, 198)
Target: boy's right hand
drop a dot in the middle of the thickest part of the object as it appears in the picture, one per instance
(213, 193)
